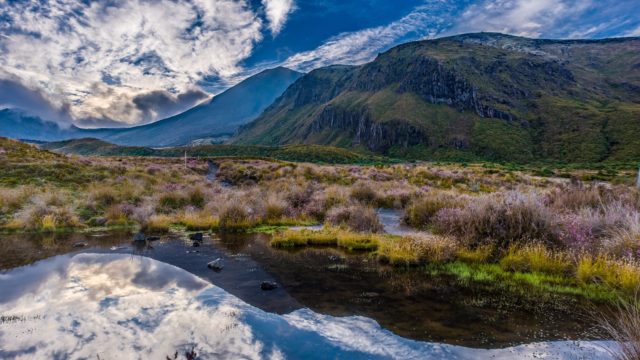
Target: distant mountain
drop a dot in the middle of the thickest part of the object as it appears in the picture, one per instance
(15, 123)
(474, 96)
(219, 117)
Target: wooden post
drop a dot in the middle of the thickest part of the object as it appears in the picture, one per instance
(638, 179)
(185, 159)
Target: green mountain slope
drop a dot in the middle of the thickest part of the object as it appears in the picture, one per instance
(486, 95)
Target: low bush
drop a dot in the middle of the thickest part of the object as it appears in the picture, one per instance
(356, 218)
(500, 220)
(234, 217)
(420, 212)
(363, 193)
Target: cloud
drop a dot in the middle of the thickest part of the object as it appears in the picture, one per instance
(161, 104)
(546, 18)
(362, 46)
(100, 56)
(16, 95)
(277, 12)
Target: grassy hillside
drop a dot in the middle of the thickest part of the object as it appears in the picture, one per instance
(297, 153)
(477, 96)
(23, 164)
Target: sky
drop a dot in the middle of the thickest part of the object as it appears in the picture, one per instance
(115, 63)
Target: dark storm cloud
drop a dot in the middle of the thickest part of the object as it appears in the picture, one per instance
(13, 94)
(162, 104)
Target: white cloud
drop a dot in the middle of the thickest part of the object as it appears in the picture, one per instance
(277, 12)
(633, 32)
(64, 49)
(362, 46)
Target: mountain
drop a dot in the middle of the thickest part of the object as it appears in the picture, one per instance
(17, 124)
(219, 117)
(473, 96)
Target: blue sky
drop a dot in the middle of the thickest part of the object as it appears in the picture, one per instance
(126, 62)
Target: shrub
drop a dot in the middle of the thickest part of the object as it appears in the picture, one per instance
(274, 209)
(421, 211)
(172, 201)
(119, 214)
(101, 197)
(196, 198)
(363, 193)
(357, 218)
(503, 220)
(234, 217)
(299, 196)
(12, 199)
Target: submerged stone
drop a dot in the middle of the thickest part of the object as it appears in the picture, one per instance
(216, 265)
(268, 285)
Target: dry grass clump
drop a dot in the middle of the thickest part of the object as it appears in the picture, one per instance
(11, 199)
(356, 217)
(623, 326)
(479, 255)
(364, 193)
(200, 220)
(234, 216)
(45, 212)
(326, 237)
(157, 224)
(621, 274)
(417, 249)
(535, 258)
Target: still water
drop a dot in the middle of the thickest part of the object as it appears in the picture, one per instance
(320, 287)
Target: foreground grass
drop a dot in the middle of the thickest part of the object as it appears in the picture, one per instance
(595, 278)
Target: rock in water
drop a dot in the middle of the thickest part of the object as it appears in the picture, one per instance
(80, 244)
(139, 237)
(268, 285)
(216, 265)
(196, 237)
(153, 238)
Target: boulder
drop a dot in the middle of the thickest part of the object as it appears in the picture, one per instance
(139, 237)
(268, 285)
(196, 237)
(216, 265)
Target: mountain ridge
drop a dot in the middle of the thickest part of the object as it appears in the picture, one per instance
(219, 116)
(482, 95)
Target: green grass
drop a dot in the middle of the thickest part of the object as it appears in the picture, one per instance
(548, 283)
(294, 153)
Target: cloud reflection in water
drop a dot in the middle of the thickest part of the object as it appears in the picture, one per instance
(121, 307)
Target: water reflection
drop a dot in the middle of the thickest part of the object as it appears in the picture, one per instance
(119, 306)
(411, 303)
